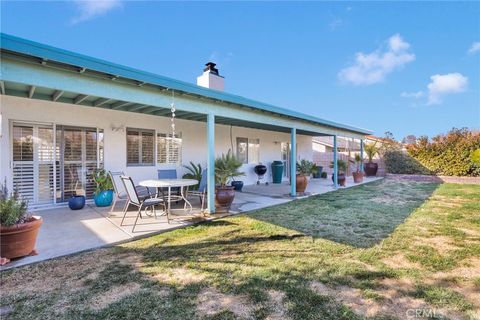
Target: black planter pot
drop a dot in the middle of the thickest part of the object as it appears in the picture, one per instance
(370, 169)
(237, 185)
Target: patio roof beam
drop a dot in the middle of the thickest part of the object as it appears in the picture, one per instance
(31, 91)
(137, 108)
(101, 102)
(2, 87)
(22, 73)
(120, 104)
(80, 98)
(56, 95)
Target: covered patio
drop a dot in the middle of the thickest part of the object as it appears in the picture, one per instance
(95, 227)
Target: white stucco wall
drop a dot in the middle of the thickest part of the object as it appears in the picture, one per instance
(193, 135)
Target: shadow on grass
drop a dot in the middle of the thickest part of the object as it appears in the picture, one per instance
(360, 217)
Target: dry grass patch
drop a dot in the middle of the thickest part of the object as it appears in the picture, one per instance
(277, 305)
(114, 294)
(210, 302)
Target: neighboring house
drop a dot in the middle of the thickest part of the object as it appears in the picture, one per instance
(347, 148)
(64, 114)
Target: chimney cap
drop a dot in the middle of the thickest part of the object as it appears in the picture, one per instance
(211, 66)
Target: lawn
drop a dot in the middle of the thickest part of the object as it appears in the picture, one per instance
(384, 250)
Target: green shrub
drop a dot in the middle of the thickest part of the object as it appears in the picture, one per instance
(13, 210)
(400, 162)
(323, 175)
(449, 154)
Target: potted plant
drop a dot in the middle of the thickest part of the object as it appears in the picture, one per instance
(342, 169)
(18, 229)
(358, 175)
(317, 171)
(226, 167)
(103, 195)
(370, 167)
(304, 170)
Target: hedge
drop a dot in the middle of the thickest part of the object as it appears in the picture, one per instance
(449, 154)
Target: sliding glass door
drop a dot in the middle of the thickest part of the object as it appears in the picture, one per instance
(44, 174)
(33, 162)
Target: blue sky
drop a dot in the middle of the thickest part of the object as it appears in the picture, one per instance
(410, 68)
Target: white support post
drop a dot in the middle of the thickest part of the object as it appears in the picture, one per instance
(335, 164)
(293, 162)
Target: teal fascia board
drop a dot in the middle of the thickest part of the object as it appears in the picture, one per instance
(42, 51)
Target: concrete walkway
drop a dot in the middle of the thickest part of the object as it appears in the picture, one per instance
(65, 231)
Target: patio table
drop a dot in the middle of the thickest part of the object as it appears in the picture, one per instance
(169, 184)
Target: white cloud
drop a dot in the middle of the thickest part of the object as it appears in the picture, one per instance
(373, 67)
(474, 48)
(443, 84)
(89, 9)
(440, 86)
(415, 95)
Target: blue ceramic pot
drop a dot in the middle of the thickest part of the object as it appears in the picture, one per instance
(237, 185)
(76, 202)
(103, 198)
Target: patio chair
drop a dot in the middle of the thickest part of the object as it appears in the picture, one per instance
(168, 174)
(134, 199)
(119, 190)
(201, 191)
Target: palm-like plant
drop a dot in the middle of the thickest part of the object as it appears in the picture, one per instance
(305, 167)
(227, 166)
(371, 150)
(341, 165)
(194, 172)
(358, 161)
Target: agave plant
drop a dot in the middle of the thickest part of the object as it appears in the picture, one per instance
(226, 167)
(194, 172)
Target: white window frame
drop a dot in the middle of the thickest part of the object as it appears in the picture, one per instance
(140, 148)
(250, 142)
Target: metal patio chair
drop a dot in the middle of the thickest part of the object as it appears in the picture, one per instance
(135, 200)
(201, 191)
(120, 192)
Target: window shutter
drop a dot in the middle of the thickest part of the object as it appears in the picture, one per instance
(23, 180)
(169, 149)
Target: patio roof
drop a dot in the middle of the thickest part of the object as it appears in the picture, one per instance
(25, 75)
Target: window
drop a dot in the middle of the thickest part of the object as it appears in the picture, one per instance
(140, 147)
(169, 149)
(248, 150)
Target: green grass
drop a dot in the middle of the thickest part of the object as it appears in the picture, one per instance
(325, 257)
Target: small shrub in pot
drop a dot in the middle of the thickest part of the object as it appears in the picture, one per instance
(18, 228)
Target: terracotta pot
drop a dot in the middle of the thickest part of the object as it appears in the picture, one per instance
(357, 177)
(19, 240)
(224, 197)
(301, 183)
(370, 169)
(342, 179)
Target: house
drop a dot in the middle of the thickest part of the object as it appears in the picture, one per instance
(64, 114)
(347, 149)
